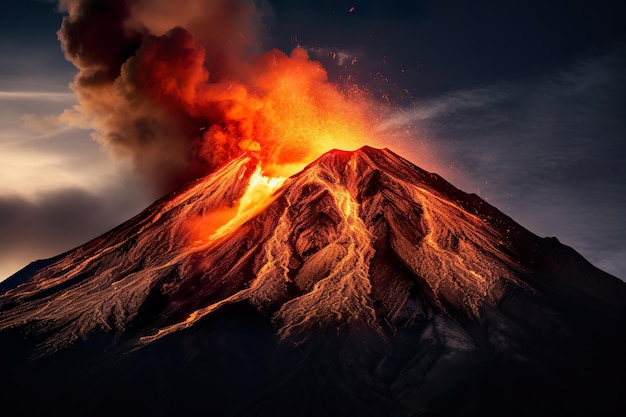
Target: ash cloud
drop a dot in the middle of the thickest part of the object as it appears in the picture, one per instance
(181, 87)
(120, 46)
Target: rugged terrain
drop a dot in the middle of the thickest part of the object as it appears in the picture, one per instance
(362, 285)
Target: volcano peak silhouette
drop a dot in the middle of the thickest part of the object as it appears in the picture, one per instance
(363, 285)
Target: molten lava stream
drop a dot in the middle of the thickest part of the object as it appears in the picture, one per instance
(258, 195)
(221, 222)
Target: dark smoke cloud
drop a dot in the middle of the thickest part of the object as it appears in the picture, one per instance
(57, 221)
(141, 63)
(96, 41)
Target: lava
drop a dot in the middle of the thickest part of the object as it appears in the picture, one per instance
(258, 196)
(210, 225)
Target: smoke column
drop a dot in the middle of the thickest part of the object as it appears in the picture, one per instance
(182, 86)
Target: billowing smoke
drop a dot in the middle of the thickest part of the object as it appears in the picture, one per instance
(181, 87)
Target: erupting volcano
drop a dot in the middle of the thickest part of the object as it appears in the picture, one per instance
(280, 276)
(361, 285)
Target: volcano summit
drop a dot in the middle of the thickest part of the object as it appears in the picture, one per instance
(362, 285)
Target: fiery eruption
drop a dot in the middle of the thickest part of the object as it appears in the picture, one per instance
(181, 88)
(258, 194)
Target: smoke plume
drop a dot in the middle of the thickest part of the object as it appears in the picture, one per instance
(181, 87)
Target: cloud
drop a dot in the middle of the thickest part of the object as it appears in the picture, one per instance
(57, 221)
(31, 67)
(29, 115)
(39, 153)
(548, 151)
(33, 111)
(58, 188)
(37, 95)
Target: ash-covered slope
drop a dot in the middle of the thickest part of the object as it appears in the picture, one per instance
(363, 285)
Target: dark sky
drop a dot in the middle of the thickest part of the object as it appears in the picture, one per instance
(450, 45)
(522, 102)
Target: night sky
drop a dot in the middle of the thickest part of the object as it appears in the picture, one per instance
(521, 102)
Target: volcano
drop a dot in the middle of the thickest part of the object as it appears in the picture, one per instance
(363, 285)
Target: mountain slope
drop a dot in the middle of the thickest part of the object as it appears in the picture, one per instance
(365, 283)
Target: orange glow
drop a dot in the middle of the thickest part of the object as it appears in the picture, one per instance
(291, 113)
(202, 226)
(218, 223)
(256, 198)
(281, 107)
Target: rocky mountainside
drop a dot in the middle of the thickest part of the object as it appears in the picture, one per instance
(362, 285)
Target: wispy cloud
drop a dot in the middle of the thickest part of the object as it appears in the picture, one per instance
(38, 95)
(548, 151)
(56, 221)
(58, 189)
(448, 104)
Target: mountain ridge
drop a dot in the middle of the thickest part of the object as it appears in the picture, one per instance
(405, 290)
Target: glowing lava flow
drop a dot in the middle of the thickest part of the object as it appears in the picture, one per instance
(220, 222)
(256, 198)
